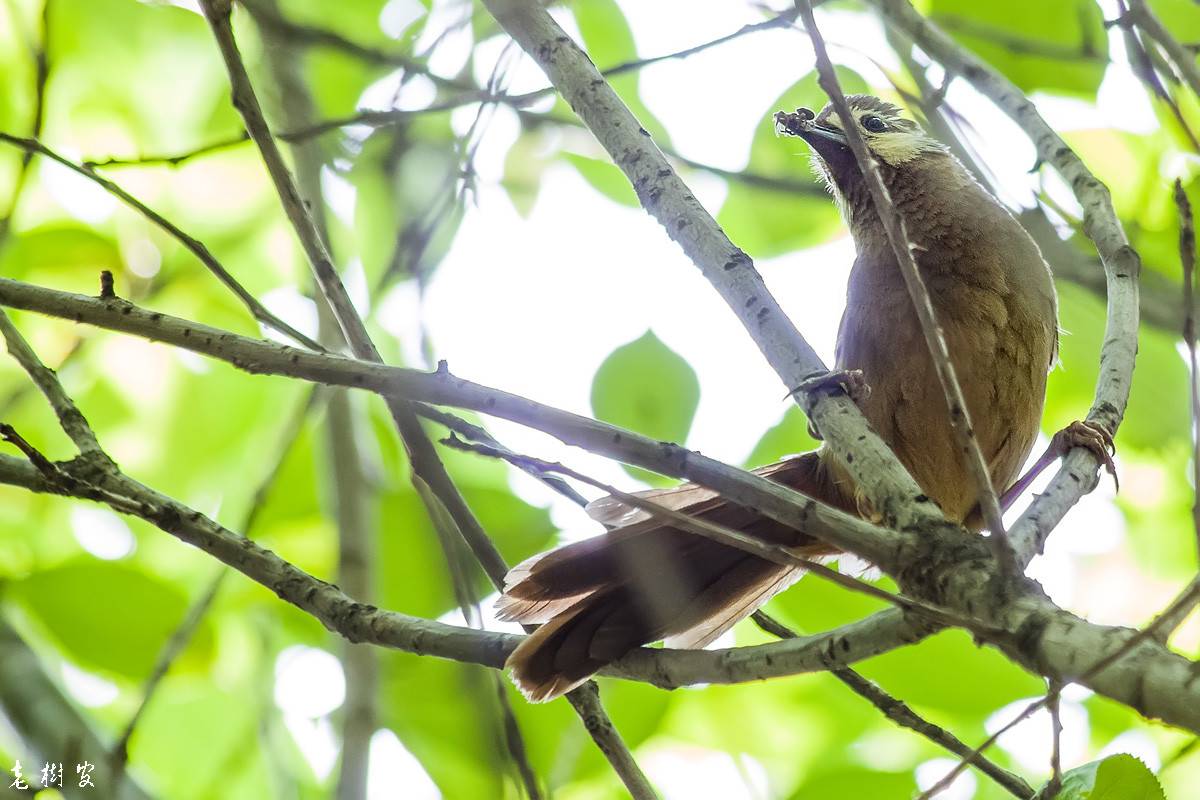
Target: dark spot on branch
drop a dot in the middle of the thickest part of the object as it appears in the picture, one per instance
(167, 519)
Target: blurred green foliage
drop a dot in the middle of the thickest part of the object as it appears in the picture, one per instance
(134, 81)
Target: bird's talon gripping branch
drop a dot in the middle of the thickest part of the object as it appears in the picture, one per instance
(1095, 439)
(850, 381)
(1080, 433)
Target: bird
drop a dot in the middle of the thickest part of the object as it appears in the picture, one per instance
(645, 580)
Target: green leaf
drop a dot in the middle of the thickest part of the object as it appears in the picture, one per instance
(604, 178)
(524, 164)
(647, 387)
(203, 738)
(609, 42)
(1179, 17)
(1119, 777)
(1059, 46)
(463, 751)
(790, 435)
(605, 31)
(46, 253)
(408, 209)
(105, 615)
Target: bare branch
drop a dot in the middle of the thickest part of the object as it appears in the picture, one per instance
(876, 544)
(1079, 472)
(875, 470)
(899, 712)
(939, 351)
(586, 702)
(193, 245)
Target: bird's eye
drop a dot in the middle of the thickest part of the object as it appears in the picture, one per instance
(874, 124)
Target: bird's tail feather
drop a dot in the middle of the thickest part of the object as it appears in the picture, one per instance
(645, 581)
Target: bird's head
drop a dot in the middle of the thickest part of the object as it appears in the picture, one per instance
(891, 137)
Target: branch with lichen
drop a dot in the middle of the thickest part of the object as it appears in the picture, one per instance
(945, 564)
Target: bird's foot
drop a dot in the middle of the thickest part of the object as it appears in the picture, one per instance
(848, 381)
(1092, 437)
(1080, 433)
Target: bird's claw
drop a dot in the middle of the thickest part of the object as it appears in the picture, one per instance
(1090, 436)
(848, 381)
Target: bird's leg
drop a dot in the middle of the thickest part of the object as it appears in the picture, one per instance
(849, 381)
(1080, 433)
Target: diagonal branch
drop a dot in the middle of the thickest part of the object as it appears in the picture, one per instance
(1122, 266)
(899, 712)
(876, 544)
(193, 245)
(664, 195)
(897, 234)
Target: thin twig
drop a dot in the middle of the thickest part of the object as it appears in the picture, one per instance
(893, 223)
(479, 434)
(966, 760)
(41, 62)
(586, 702)
(1141, 15)
(172, 160)
(193, 245)
(1187, 257)
(1053, 703)
(901, 714)
(69, 416)
(171, 650)
(1175, 612)
(1079, 473)
(514, 740)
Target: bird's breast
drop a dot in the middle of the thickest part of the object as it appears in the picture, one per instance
(994, 301)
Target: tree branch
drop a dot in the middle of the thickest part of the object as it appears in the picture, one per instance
(1079, 472)
(874, 468)
(935, 341)
(953, 570)
(876, 544)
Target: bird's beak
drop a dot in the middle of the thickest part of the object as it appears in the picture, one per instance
(827, 141)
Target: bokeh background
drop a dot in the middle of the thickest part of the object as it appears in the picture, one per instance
(474, 220)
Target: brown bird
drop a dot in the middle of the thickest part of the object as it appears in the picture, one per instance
(994, 298)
